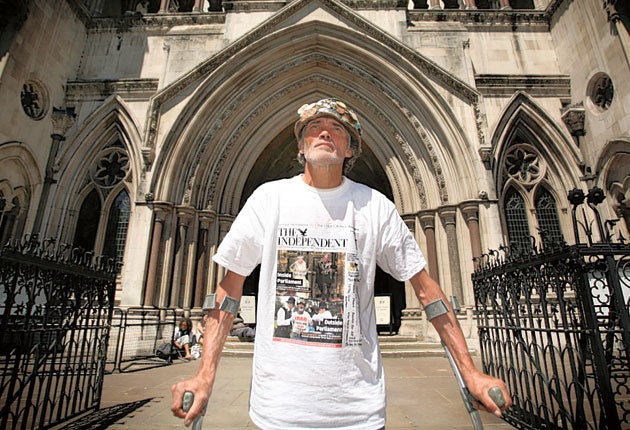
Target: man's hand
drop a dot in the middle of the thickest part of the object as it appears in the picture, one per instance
(480, 384)
(200, 389)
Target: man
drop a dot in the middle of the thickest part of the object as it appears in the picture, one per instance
(301, 321)
(322, 211)
(283, 319)
(322, 313)
(326, 270)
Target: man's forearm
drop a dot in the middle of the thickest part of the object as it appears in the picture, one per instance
(446, 324)
(218, 327)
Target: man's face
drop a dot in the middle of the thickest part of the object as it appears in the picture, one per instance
(325, 142)
(300, 308)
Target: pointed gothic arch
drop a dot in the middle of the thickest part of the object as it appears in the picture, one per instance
(100, 158)
(18, 182)
(404, 120)
(531, 154)
(613, 176)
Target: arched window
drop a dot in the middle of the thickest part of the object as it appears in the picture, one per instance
(104, 213)
(526, 201)
(516, 220)
(547, 215)
(117, 223)
(87, 224)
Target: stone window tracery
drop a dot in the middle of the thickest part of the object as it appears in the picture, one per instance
(117, 224)
(516, 219)
(103, 222)
(111, 167)
(523, 164)
(547, 215)
(529, 209)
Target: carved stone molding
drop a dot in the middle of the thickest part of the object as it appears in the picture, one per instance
(185, 214)
(470, 209)
(253, 5)
(508, 20)
(140, 89)
(161, 22)
(427, 219)
(574, 117)
(62, 120)
(535, 85)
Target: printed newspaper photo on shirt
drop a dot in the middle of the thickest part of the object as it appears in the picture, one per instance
(316, 278)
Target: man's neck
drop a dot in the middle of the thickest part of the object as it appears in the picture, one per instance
(323, 177)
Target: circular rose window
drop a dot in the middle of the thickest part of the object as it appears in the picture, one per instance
(601, 91)
(34, 99)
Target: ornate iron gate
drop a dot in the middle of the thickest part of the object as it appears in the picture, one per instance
(55, 309)
(554, 324)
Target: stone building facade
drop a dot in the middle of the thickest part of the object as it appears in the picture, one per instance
(139, 128)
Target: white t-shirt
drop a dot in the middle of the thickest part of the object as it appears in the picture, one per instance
(336, 364)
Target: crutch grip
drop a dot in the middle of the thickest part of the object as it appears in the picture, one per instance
(187, 401)
(496, 395)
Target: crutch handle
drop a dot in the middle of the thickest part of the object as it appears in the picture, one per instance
(496, 395)
(187, 401)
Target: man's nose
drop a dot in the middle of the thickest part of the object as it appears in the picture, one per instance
(324, 134)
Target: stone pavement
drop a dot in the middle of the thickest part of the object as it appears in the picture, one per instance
(421, 394)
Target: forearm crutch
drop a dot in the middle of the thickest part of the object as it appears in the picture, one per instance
(437, 308)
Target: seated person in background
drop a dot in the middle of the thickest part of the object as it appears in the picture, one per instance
(244, 332)
(200, 327)
(182, 338)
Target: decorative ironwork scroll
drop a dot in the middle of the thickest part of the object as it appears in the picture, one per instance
(56, 303)
(554, 324)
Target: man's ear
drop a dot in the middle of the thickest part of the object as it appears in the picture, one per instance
(300, 146)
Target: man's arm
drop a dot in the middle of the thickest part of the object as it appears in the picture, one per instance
(447, 326)
(218, 326)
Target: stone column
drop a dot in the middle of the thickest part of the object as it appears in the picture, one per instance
(471, 215)
(198, 6)
(225, 222)
(164, 6)
(412, 323)
(470, 4)
(505, 4)
(448, 215)
(410, 295)
(206, 219)
(160, 212)
(184, 215)
(434, 4)
(427, 221)
(62, 120)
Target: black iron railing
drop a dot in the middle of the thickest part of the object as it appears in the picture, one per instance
(554, 324)
(55, 309)
(136, 333)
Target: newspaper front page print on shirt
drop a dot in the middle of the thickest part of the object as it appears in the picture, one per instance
(316, 284)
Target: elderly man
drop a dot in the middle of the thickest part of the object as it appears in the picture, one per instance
(322, 211)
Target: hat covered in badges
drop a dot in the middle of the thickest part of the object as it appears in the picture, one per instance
(332, 108)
